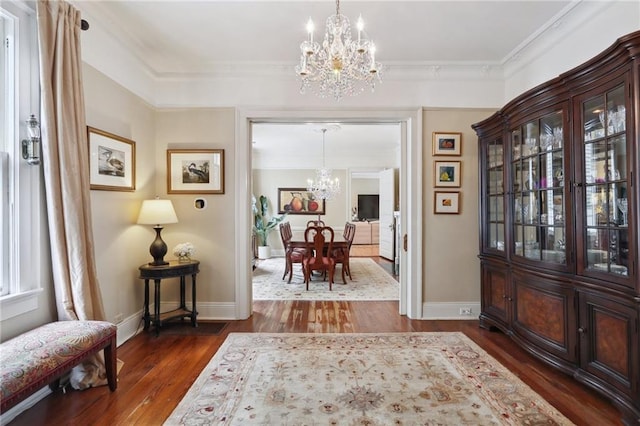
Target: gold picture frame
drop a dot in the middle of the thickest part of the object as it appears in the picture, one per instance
(447, 174)
(195, 171)
(446, 202)
(447, 143)
(112, 161)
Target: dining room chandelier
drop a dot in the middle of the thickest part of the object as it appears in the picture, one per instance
(323, 187)
(340, 66)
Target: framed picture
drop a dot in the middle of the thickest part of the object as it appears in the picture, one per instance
(195, 171)
(299, 201)
(447, 174)
(446, 202)
(447, 143)
(112, 161)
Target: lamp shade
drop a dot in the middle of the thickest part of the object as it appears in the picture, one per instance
(157, 212)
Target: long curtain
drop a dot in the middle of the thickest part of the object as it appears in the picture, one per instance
(66, 170)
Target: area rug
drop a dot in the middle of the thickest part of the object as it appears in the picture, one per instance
(370, 282)
(358, 379)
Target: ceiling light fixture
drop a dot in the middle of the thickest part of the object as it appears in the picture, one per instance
(340, 66)
(324, 187)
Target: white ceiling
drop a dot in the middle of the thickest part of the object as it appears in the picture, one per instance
(193, 39)
(347, 145)
(188, 37)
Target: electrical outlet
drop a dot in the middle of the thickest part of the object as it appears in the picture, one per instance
(118, 319)
(465, 311)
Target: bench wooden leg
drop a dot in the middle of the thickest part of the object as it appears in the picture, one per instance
(111, 364)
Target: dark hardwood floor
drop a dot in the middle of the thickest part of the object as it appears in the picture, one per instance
(158, 371)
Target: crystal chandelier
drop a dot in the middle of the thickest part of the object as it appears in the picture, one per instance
(323, 187)
(340, 66)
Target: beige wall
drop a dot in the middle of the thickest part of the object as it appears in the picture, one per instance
(267, 182)
(211, 230)
(121, 245)
(451, 269)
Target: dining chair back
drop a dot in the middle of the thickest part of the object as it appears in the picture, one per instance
(319, 240)
(315, 223)
(341, 255)
(291, 255)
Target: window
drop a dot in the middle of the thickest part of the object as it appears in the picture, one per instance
(20, 209)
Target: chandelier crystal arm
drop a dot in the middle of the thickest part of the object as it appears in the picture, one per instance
(339, 66)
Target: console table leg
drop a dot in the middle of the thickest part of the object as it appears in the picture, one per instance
(157, 306)
(146, 315)
(194, 313)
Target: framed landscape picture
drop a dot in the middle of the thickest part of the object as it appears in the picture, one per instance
(447, 143)
(447, 174)
(446, 203)
(299, 201)
(112, 161)
(195, 171)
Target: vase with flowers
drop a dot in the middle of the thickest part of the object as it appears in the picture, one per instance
(184, 251)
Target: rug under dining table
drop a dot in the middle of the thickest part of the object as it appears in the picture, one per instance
(436, 378)
(370, 282)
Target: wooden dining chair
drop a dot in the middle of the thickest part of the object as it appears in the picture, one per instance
(292, 255)
(319, 240)
(341, 255)
(315, 223)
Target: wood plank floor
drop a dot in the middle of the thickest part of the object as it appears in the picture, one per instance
(158, 371)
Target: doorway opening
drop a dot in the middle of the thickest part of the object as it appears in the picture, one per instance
(410, 206)
(365, 158)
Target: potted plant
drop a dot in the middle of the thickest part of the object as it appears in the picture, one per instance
(263, 224)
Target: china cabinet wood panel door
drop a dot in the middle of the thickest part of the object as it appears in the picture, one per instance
(609, 342)
(496, 296)
(544, 313)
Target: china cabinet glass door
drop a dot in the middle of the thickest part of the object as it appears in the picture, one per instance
(538, 188)
(495, 195)
(604, 148)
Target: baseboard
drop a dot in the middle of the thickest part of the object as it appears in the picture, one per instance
(450, 311)
(24, 405)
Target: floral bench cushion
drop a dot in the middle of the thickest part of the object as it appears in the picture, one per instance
(38, 357)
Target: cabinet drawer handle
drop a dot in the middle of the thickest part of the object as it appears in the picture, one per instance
(581, 330)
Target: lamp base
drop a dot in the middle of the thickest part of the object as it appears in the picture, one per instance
(158, 249)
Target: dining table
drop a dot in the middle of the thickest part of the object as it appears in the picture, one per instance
(338, 243)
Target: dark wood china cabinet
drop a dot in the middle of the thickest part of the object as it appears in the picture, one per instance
(559, 222)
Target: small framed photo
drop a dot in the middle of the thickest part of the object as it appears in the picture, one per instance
(447, 174)
(195, 171)
(447, 143)
(299, 201)
(446, 203)
(112, 161)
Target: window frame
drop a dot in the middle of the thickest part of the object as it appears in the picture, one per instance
(26, 216)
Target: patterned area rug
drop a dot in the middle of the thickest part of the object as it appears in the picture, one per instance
(370, 282)
(359, 379)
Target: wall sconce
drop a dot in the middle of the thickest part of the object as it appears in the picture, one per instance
(31, 146)
(157, 212)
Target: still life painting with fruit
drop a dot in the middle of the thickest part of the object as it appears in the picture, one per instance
(299, 201)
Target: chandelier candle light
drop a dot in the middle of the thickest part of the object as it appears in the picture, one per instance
(340, 66)
(324, 187)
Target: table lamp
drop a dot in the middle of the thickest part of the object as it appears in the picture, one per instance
(157, 212)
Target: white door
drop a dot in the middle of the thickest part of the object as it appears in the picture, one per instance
(387, 206)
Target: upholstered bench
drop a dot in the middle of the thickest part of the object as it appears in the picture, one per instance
(38, 357)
